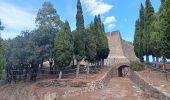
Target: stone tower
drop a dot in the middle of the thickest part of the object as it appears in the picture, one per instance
(121, 51)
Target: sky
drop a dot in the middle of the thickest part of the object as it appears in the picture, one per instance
(19, 15)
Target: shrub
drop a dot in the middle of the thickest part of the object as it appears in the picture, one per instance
(136, 65)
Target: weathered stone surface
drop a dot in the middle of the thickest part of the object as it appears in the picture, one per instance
(146, 86)
(121, 51)
(98, 84)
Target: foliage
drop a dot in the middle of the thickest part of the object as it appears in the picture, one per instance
(79, 42)
(139, 26)
(37, 44)
(149, 11)
(101, 40)
(155, 37)
(91, 44)
(63, 47)
(49, 23)
(164, 24)
(154, 30)
(136, 66)
(2, 59)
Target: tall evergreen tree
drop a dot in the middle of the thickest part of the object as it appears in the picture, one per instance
(149, 11)
(79, 42)
(105, 50)
(101, 40)
(164, 22)
(155, 37)
(98, 34)
(63, 48)
(90, 46)
(136, 39)
(139, 29)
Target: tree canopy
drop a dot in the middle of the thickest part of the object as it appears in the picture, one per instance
(154, 30)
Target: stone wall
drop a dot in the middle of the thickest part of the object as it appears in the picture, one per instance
(147, 87)
(98, 84)
(121, 51)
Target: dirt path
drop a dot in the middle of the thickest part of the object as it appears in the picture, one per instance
(117, 89)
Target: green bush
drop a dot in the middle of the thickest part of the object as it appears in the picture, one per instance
(136, 65)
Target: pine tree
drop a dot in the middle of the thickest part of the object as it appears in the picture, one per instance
(149, 11)
(79, 42)
(63, 48)
(90, 46)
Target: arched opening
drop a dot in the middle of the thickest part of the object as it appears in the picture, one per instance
(123, 71)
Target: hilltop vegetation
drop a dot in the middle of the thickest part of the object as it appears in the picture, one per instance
(152, 29)
(53, 38)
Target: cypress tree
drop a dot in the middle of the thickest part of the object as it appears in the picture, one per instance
(90, 46)
(105, 50)
(149, 11)
(101, 41)
(154, 40)
(136, 39)
(63, 48)
(79, 42)
(138, 43)
(142, 21)
(99, 38)
(164, 22)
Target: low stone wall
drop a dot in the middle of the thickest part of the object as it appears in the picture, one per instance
(146, 86)
(98, 84)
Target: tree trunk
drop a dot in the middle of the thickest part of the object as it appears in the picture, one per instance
(147, 58)
(88, 69)
(102, 62)
(153, 58)
(96, 66)
(78, 68)
(60, 75)
(73, 62)
(164, 60)
(97, 63)
(157, 59)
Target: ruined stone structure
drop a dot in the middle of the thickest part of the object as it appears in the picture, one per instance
(121, 51)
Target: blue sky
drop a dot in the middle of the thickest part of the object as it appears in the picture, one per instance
(18, 15)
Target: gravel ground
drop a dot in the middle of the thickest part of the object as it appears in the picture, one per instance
(117, 89)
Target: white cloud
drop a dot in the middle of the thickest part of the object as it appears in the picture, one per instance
(109, 20)
(111, 26)
(14, 18)
(96, 7)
